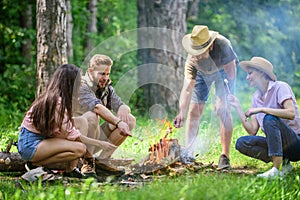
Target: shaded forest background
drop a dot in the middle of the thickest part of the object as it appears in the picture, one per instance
(265, 28)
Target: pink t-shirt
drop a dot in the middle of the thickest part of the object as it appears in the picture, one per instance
(276, 94)
(68, 131)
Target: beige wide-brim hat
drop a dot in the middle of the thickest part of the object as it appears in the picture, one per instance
(199, 40)
(261, 64)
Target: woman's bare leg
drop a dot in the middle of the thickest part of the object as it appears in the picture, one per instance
(57, 150)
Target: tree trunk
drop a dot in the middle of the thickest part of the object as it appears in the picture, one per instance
(51, 39)
(161, 28)
(26, 23)
(69, 31)
(92, 26)
(193, 9)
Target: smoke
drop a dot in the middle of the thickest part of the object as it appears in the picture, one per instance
(128, 83)
(259, 28)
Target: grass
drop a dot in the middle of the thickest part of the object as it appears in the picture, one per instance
(204, 184)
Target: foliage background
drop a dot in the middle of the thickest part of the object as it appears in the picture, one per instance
(268, 28)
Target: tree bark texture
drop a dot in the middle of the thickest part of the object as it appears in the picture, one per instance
(26, 23)
(160, 50)
(92, 26)
(69, 31)
(193, 9)
(51, 39)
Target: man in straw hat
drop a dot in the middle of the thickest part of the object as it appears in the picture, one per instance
(275, 111)
(211, 59)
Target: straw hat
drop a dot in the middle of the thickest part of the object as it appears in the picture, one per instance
(199, 40)
(261, 64)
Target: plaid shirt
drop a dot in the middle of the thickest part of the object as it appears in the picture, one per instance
(90, 95)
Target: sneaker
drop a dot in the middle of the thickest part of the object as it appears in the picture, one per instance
(88, 167)
(224, 163)
(74, 174)
(270, 174)
(287, 167)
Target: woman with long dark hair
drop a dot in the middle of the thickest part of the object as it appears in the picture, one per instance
(48, 136)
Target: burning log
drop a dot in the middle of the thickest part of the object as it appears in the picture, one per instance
(162, 154)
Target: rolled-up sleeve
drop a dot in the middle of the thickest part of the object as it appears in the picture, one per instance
(87, 99)
(116, 101)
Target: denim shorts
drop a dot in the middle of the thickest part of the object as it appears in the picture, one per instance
(204, 82)
(27, 143)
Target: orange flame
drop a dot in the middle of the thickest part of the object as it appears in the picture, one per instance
(160, 150)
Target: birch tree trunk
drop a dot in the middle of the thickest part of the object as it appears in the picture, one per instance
(162, 79)
(51, 39)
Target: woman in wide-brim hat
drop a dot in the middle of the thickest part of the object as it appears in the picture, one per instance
(275, 111)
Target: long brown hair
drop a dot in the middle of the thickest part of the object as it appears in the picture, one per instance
(64, 83)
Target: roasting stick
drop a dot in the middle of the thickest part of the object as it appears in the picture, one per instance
(228, 91)
(227, 87)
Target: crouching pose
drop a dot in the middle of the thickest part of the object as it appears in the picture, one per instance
(48, 136)
(98, 100)
(275, 111)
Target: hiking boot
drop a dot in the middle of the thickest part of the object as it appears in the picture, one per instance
(88, 167)
(74, 174)
(270, 174)
(224, 163)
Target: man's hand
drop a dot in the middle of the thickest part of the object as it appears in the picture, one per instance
(123, 112)
(124, 128)
(179, 120)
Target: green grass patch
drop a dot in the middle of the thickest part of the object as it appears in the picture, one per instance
(203, 184)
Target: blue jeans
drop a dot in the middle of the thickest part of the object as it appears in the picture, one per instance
(204, 82)
(280, 140)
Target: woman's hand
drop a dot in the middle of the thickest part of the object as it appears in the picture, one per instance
(252, 111)
(233, 100)
(106, 145)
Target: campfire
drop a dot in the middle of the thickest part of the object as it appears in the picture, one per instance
(163, 151)
(161, 154)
